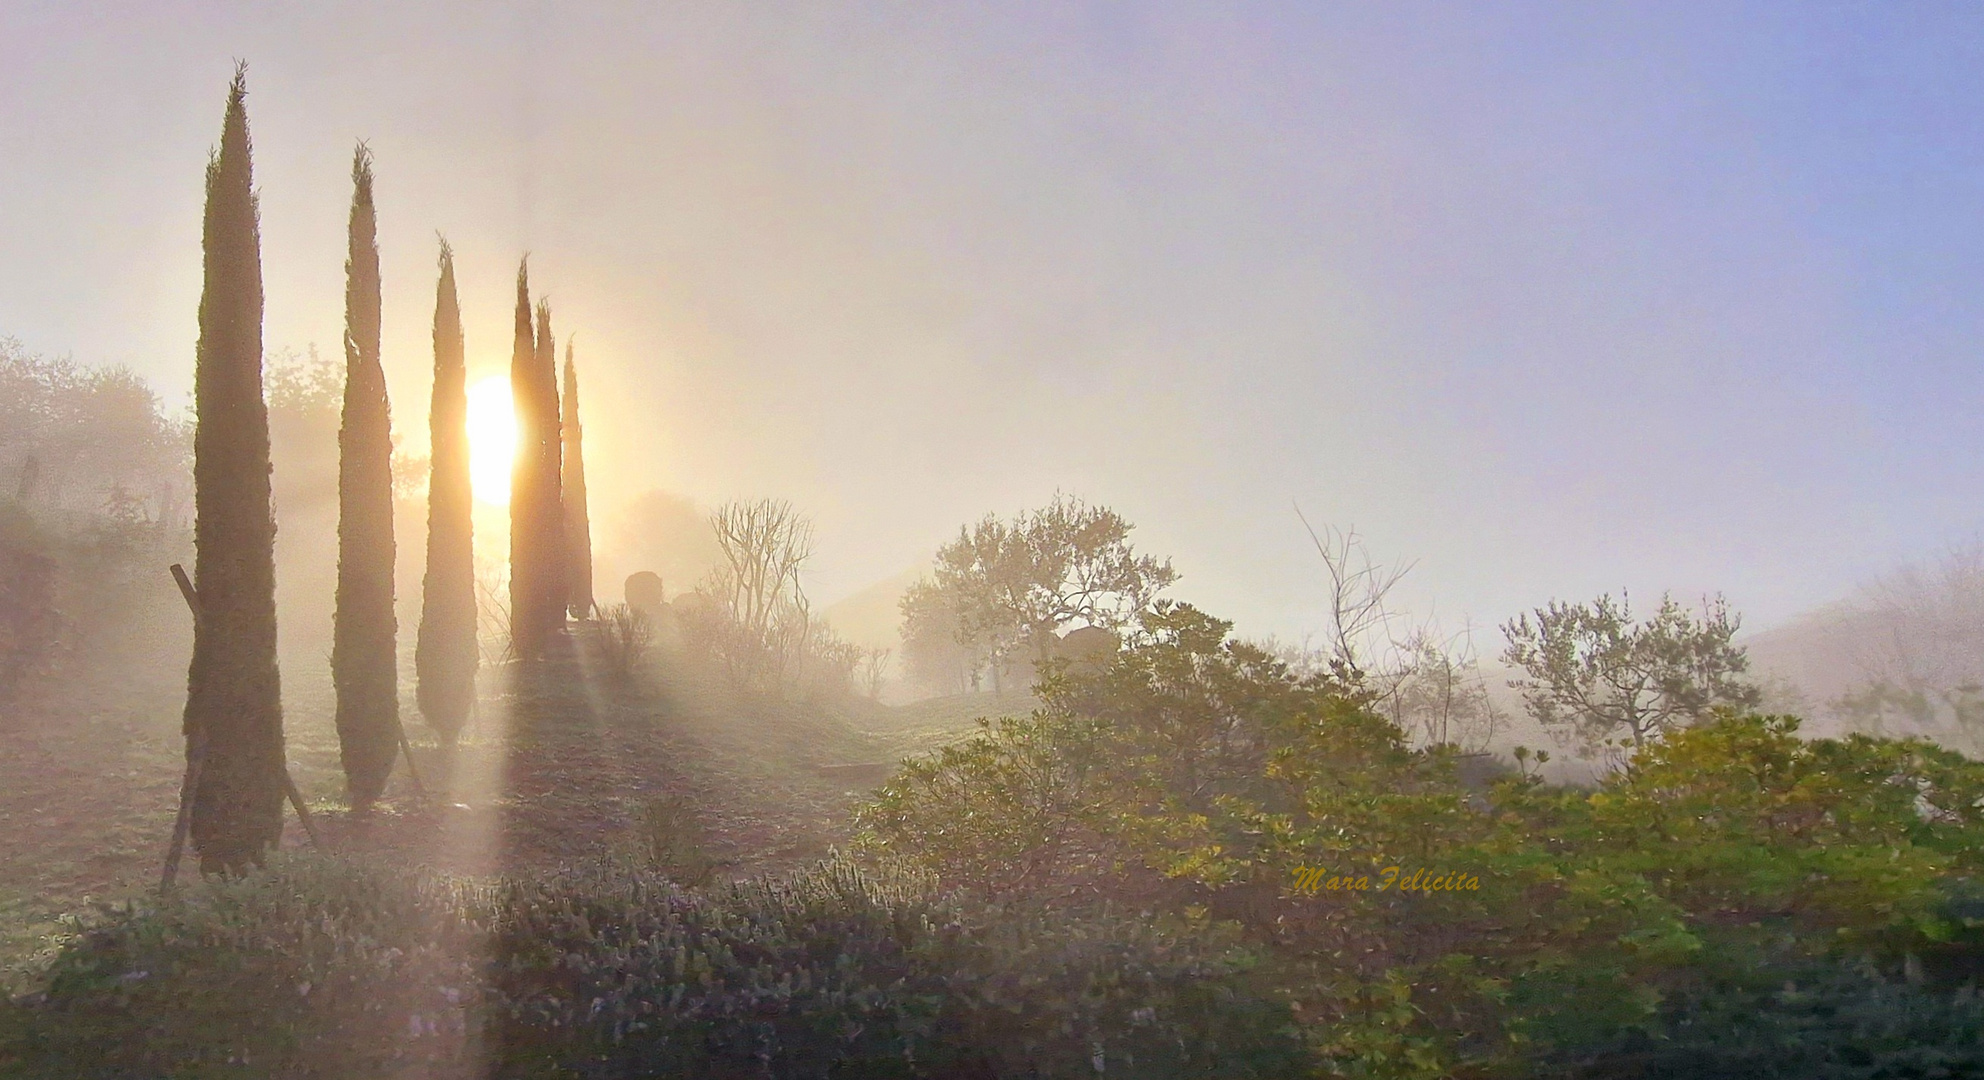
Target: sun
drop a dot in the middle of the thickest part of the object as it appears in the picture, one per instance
(492, 439)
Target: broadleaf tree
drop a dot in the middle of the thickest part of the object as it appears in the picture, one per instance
(1006, 588)
(1600, 680)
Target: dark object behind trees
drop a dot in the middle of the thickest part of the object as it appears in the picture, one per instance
(644, 593)
(572, 490)
(363, 660)
(445, 656)
(233, 691)
(537, 520)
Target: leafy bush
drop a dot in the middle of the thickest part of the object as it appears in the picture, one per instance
(1200, 773)
(1841, 1024)
(316, 969)
(309, 969)
(670, 839)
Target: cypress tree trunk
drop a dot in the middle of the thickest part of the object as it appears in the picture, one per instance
(445, 657)
(363, 661)
(233, 691)
(572, 489)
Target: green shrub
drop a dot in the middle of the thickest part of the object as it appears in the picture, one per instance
(1196, 772)
(610, 972)
(308, 969)
(671, 840)
(1837, 1024)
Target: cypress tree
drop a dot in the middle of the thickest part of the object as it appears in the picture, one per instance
(529, 486)
(551, 525)
(233, 691)
(572, 489)
(445, 657)
(363, 660)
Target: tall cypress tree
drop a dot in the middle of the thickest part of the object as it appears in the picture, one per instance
(445, 657)
(233, 691)
(363, 661)
(528, 484)
(572, 489)
(551, 527)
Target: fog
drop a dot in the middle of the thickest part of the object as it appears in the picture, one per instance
(1157, 540)
(1551, 300)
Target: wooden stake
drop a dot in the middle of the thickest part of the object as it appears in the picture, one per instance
(302, 814)
(196, 760)
(407, 749)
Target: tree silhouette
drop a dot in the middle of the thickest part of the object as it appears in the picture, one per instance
(572, 490)
(537, 594)
(363, 660)
(233, 690)
(445, 656)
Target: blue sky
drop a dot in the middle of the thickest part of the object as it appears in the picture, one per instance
(1552, 298)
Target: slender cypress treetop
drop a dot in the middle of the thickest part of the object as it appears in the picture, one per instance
(363, 659)
(578, 528)
(445, 657)
(233, 691)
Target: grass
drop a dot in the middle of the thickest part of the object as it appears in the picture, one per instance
(559, 768)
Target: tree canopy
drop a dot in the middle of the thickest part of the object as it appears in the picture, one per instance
(1004, 589)
(1601, 679)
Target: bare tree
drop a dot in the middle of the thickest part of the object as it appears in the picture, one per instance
(767, 616)
(1433, 689)
(1360, 626)
(874, 671)
(1427, 682)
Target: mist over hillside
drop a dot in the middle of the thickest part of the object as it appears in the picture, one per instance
(992, 542)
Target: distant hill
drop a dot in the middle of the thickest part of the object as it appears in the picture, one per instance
(872, 618)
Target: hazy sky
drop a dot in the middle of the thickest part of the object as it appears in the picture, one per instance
(1553, 298)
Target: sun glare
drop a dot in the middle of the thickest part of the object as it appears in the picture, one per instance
(492, 439)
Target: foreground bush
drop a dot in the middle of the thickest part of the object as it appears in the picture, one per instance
(312, 969)
(1840, 1024)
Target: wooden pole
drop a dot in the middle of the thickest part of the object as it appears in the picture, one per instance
(196, 760)
(411, 769)
(302, 813)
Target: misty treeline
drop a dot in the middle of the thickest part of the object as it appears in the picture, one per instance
(1916, 639)
(93, 476)
(89, 441)
(746, 618)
